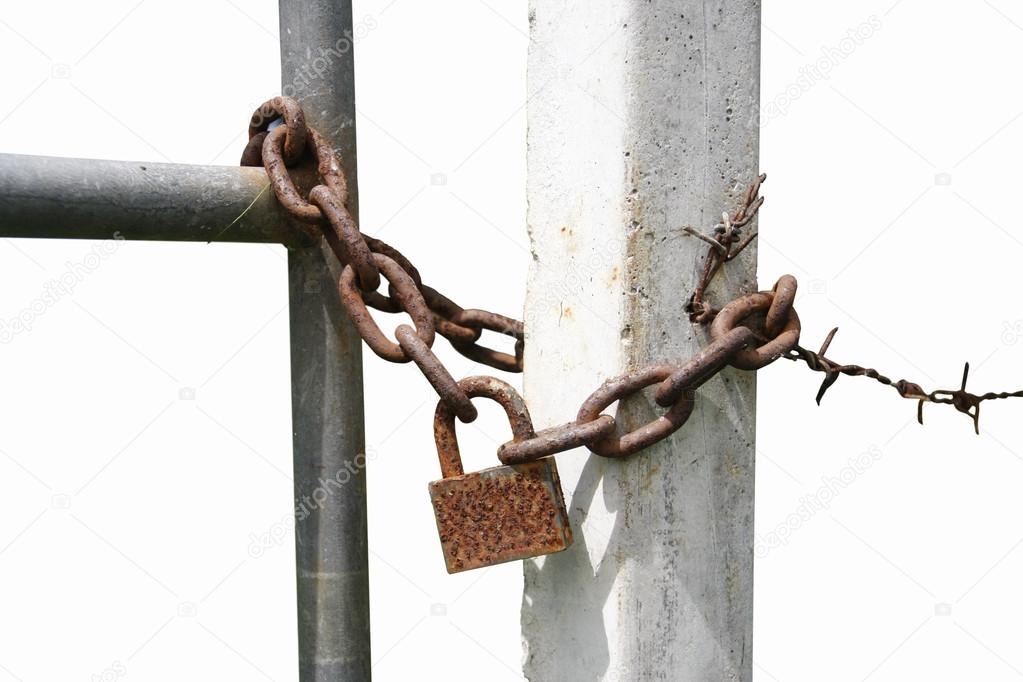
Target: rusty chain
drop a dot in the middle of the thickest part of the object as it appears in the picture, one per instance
(748, 333)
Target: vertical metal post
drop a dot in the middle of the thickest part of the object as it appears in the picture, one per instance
(326, 374)
(647, 122)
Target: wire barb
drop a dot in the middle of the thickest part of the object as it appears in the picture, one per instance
(961, 399)
(726, 242)
(964, 401)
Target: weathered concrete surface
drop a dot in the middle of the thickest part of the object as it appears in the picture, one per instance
(640, 123)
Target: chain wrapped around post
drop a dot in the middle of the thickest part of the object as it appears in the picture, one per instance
(280, 139)
(748, 333)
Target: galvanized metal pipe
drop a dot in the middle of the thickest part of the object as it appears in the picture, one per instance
(58, 198)
(86, 199)
(326, 374)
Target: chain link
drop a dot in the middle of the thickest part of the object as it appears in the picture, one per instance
(479, 320)
(748, 333)
(408, 295)
(703, 365)
(279, 139)
(625, 386)
(355, 251)
(295, 129)
(729, 317)
(436, 373)
(557, 439)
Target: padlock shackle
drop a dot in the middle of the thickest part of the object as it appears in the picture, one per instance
(478, 387)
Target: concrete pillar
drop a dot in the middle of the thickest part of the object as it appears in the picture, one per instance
(642, 120)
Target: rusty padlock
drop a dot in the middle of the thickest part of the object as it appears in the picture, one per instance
(504, 513)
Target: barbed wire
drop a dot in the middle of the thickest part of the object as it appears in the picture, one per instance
(721, 251)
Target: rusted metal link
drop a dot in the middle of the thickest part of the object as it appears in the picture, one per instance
(356, 250)
(332, 240)
(705, 364)
(380, 246)
(478, 387)
(624, 386)
(784, 293)
(385, 303)
(445, 311)
(483, 319)
(294, 125)
(406, 291)
(455, 333)
(733, 314)
(463, 328)
(767, 316)
(442, 305)
(389, 304)
(327, 166)
(494, 358)
(436, 373)
(280, 180)
(556, 439)
(252, 155)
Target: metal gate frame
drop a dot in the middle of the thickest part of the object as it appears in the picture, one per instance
(48, 197)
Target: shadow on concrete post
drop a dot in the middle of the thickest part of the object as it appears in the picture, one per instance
(643, 126)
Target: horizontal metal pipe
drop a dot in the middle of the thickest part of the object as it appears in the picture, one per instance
(52, 197)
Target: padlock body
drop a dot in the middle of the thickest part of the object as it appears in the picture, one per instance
(501, 514)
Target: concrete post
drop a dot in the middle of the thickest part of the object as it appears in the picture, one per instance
(643, 121)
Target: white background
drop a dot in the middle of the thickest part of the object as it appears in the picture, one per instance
(145, 451)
